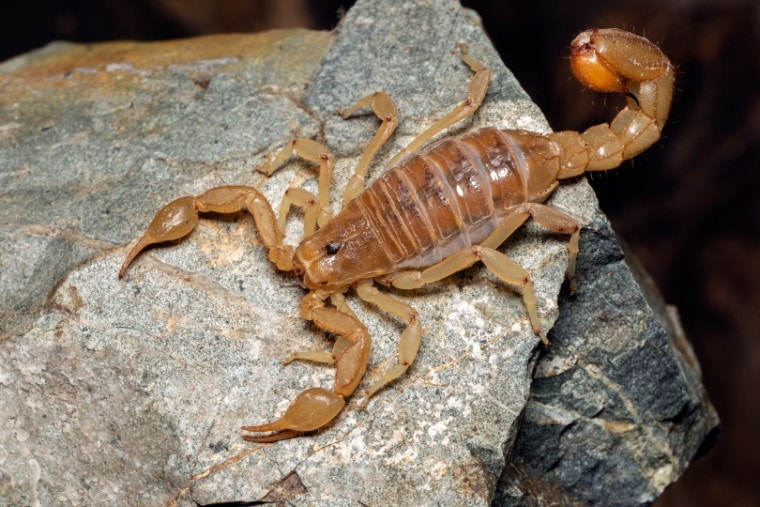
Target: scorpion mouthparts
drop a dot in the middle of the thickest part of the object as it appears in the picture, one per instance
(299, 272)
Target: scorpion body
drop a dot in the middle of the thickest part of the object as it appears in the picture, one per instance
(434, 212)
(446, 198)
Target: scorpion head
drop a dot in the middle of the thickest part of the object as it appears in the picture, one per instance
(342, 252)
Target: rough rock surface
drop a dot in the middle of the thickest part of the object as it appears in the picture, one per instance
(617, 409)
(132, 392)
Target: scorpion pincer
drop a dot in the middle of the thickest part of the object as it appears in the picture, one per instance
(434, 212)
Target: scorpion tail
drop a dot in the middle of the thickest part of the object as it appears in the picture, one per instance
(613, 60)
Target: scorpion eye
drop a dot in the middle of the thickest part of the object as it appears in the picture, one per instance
(332, 248)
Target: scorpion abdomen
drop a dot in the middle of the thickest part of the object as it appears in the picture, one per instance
(453, 194)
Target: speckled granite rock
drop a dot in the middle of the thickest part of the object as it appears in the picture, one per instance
(133, 391)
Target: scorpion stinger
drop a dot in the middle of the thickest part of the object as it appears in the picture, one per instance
(432, 213)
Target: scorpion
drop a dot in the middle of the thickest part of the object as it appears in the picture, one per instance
(433, 212)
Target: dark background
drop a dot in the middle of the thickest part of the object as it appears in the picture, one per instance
(688, 207)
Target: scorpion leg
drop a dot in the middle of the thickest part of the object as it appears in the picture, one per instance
(499, 264)
(551, 218)
(316, 407)
(311, 151)
(557, 221)
(385, 109)
(409, 343)
(475, 95)
(300, 197)
(178, 218)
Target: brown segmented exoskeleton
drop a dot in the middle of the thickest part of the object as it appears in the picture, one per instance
(434, 212)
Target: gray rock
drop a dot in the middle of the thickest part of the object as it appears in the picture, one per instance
(132, 392)
(617, 408)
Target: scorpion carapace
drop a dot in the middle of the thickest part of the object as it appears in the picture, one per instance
(432, 213)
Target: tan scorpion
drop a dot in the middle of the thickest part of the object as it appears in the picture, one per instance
(433, 213)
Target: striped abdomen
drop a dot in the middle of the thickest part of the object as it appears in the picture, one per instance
(452, 194)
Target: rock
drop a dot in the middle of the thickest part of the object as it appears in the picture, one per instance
(617, 409)
(133, 391)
